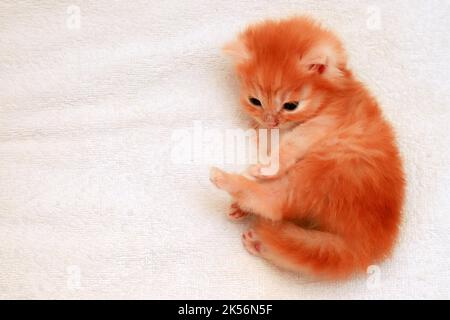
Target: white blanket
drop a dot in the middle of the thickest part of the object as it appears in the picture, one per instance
(92, 204)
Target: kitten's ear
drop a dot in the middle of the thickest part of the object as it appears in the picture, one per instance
(324, 59)
(237, 50)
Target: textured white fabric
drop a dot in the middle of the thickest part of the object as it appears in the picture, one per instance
(91, 205)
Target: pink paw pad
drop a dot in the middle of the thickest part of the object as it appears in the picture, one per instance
(249, 239)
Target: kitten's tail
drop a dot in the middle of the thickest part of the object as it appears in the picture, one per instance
(314, 252)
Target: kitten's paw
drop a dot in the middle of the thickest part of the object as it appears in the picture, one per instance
(255, 170)
(251, 243)
(218, 177)
(258, 171)
(236, 213)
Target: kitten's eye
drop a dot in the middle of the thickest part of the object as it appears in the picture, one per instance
(290, 105)
(254, 101)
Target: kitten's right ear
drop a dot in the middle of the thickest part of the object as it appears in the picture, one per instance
(237, 50)
(327, 59)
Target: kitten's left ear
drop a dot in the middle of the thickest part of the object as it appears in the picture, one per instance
(237, 50)
(324, 59)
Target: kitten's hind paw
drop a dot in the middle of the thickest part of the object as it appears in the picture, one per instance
(236, 213)
(251, 243)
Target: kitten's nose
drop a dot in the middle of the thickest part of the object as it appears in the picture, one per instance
(271, 121)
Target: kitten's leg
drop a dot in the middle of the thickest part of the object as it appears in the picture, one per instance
(287, 157)
(261, 198)
(294, 145)
(302, 250)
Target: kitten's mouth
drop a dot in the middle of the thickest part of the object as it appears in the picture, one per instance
(272, 124)
(284, 126)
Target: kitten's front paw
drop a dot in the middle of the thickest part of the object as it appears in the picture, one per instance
(217, 177)
(236, 213)
(251, 243)
(257, 171)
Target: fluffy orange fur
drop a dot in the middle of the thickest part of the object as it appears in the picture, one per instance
(334, 207)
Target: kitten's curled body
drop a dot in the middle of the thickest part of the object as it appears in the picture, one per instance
(334, 206)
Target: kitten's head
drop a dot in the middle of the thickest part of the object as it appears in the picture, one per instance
(286, 68)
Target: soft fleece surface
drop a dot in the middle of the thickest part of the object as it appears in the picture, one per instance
(91, 204)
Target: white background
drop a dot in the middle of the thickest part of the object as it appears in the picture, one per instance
(91, 205)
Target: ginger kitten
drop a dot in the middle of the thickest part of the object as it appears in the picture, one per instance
(334, 207)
